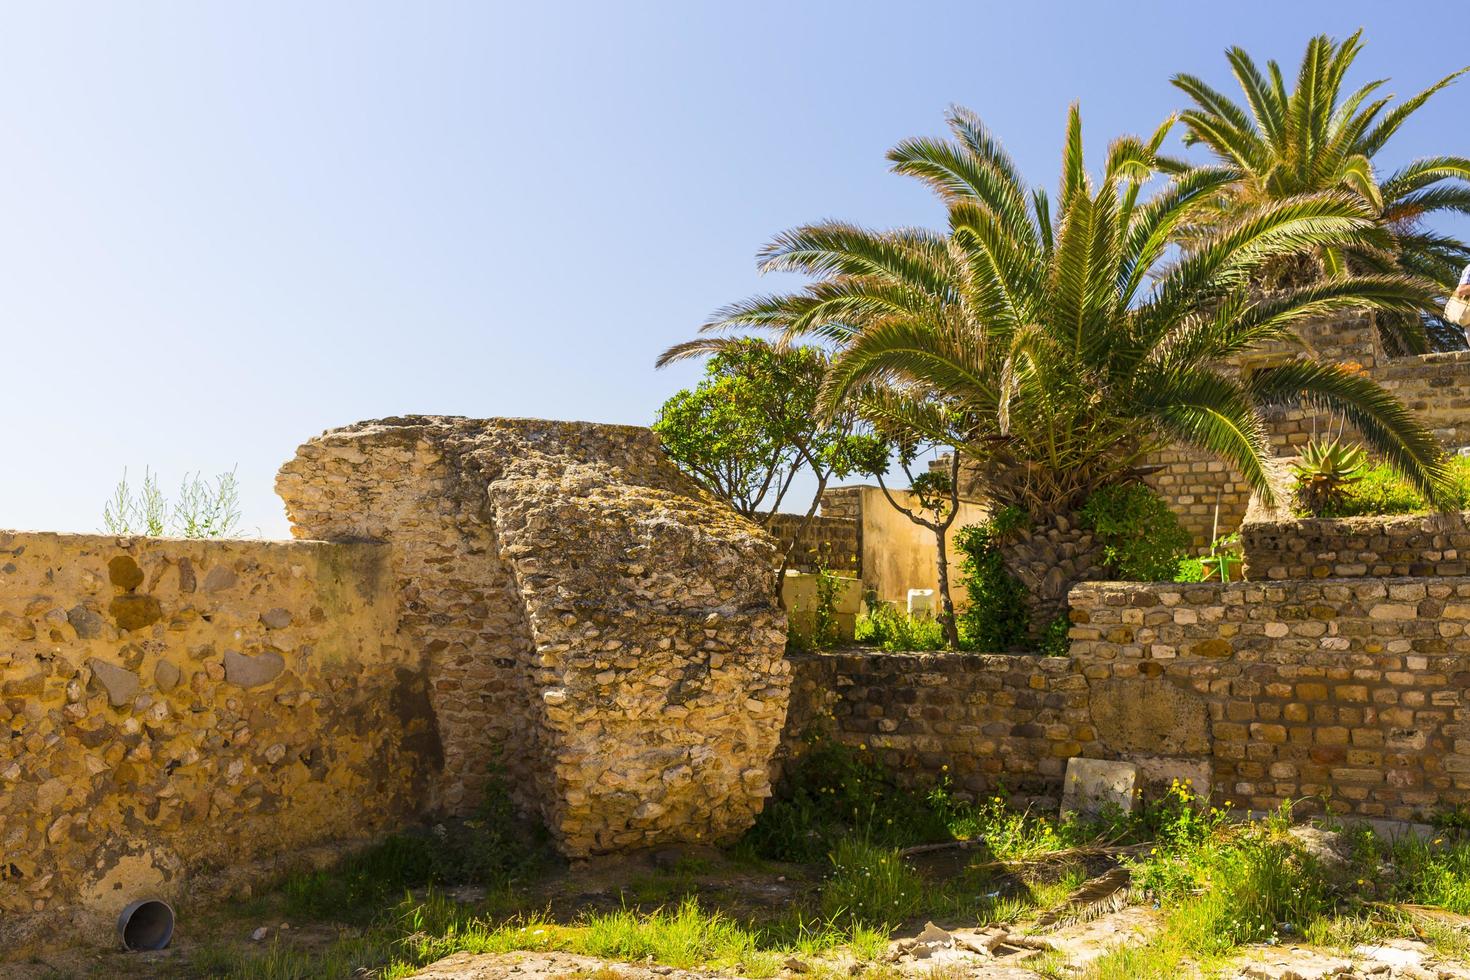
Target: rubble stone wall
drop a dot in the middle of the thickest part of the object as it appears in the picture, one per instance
(620, 621)
(984, 721)
(1356, 547)
(177, 705)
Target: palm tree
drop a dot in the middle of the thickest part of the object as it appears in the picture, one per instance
(1317, 138)
(1069, 337)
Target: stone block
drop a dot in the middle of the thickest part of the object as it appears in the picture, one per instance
(1093, 786)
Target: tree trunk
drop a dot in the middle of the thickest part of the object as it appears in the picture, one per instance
(1054, 556)
(946, 604)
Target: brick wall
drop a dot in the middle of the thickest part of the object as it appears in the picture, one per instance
(1346, 693)
(1354, 547)
(1436, 386)
(835, 542)
(991, 720)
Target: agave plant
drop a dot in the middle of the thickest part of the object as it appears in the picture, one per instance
(1324, 472)
(1057, 342)
(1319, 137)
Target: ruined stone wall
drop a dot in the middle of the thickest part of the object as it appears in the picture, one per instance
(177, 705)
(620, 620)
(1435, 386)
(1341, 693)
(831, 542)
(1345, 694)
(1355, 547)
(984, 721)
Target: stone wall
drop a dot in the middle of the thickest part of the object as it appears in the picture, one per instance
(985, 721)
(1340, 693)
(176, 705)
(1436, 386)
(1354, 547)
(831, 542)
(590, 617)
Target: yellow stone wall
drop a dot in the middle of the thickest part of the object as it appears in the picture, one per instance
(173, 706)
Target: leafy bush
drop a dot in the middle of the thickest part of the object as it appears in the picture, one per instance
(1055, 639)
(997, 617)
(1382, 492)
(896, 632)
(1140, 536)
(1190, 570)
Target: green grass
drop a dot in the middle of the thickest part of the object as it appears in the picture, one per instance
(1218, 885)
(1383, 492)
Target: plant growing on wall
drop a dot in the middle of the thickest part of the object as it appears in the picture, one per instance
(751, 425)
(202, 509)
(1325, 472)
(1141, 537)
(1319, 138)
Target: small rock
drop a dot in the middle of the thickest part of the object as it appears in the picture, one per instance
(248, 671)
(166, 676)
(276, 619)
(121, 684)
(260, 934)
(934, 936)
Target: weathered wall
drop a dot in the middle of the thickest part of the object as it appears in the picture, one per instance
(638, 672)
(1354, 547)
(831, 542)
(174, 705)
(897, 554)
(1340, 693)
(982, 720)
(1435, 386)
(1347, 692)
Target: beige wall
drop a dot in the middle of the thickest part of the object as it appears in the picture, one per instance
(173, 705)
(898, 554)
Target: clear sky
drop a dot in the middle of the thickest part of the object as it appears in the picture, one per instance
(227, 227)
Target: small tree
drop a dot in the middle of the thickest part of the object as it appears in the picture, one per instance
(751, 425)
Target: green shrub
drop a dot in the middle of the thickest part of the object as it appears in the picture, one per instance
(997, 617)
(1382, 492)
(1190, 570)
(1140, 536)
(1055, 639)
(896, 632)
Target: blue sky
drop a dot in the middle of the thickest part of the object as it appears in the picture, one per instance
(226, 227)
